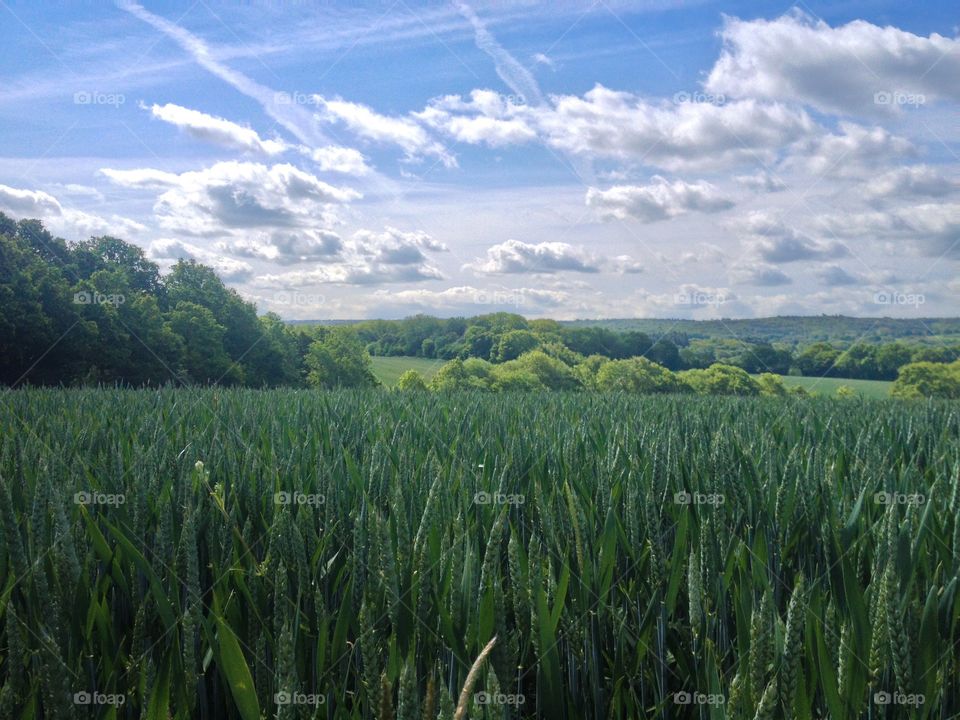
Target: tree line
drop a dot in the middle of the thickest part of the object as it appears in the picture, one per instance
(501, 337)
(100, 312)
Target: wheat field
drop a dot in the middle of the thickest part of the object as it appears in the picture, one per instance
(291, 554)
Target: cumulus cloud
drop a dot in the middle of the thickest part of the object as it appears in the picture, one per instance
(853, 151)
(932, 229)
(514, 256)
(775, 242)
(22, 203)
(837, 70)
(606, 123)
(369, 258)
(759, 274)
(836, 276)
(486, 118)
(660, 200)
(286, 247)
(217, 130)
(911, 181)
(761, 182)
(231, 195)
(365, 122)
(340, 159)
(168, 251)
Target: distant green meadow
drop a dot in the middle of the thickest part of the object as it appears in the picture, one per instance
(242, 554)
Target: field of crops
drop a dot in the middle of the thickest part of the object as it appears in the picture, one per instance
(389, 369)
(292, 554)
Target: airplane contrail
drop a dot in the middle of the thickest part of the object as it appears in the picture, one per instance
(295, 119)
(515, 75)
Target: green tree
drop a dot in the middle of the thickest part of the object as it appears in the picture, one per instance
(637, 375)
(721, 380)
(928, 380)
(513, 344)
(411, 381)
(204, 360)
(338, 359)
(771, 384)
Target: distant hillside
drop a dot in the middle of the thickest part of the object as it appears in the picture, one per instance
(793, 330)
(802, 330)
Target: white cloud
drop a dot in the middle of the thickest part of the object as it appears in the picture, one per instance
(855, 151)
(71, 222)
(606, 123)
(232, 195)
(514, 256)
(286, 247)
(761, 181)
(837, 70)
(217, 130)
(932, 229)
(911, 181)
(340, 159)
(760, 274)
(168, 251)
(401, 131)
(775, 242)
(835, 276)
(660, 200)
(369, 258)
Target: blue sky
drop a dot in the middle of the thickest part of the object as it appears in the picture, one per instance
(567, 159)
